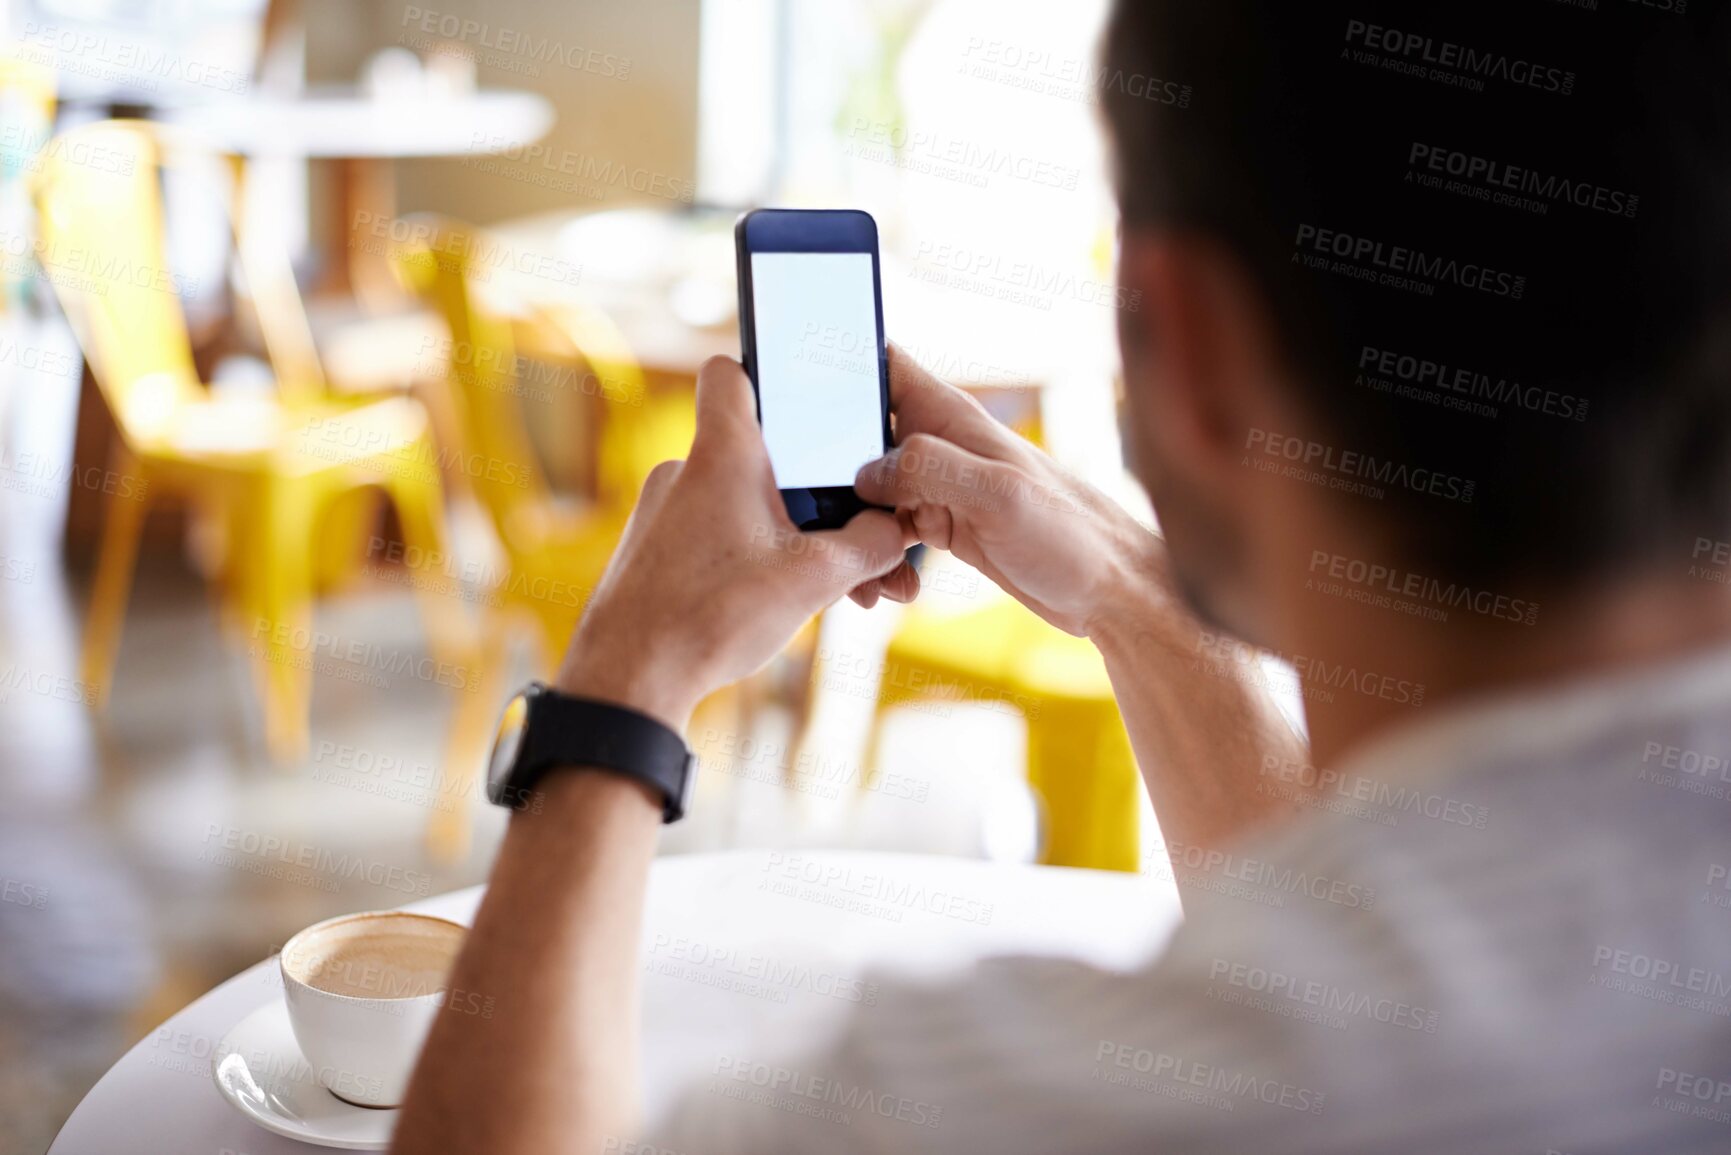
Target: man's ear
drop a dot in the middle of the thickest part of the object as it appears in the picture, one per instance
(1198, 352)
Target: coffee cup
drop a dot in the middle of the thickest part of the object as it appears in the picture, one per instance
(362, 991)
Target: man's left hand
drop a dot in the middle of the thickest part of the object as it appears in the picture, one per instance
(711, 578)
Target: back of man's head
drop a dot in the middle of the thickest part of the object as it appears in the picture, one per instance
(1496, 242)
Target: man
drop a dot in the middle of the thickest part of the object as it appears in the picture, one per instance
(1429, 378)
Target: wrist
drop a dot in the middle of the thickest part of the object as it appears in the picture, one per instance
(1142, 604)
(601, 806)
(629, 677)
(570, 789)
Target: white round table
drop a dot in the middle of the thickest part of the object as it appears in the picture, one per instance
(721, 935)
(340, 123)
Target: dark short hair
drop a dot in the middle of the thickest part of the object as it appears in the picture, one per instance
(1515, 207)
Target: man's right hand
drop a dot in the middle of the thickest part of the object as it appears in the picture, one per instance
(968, 484)
(1069, 553)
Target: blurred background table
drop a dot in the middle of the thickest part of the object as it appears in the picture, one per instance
(704, 912)
(362, 134)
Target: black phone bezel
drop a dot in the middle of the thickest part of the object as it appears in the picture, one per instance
(774, 230)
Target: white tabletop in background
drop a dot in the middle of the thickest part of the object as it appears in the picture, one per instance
(847, 914)
(342, 123)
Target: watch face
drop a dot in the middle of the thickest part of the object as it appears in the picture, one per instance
(512, 725)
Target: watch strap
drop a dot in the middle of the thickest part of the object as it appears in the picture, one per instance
(565, 732)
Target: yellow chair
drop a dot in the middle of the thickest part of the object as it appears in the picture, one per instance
(1080, 763)
(265, 469)
(287, 335)
(554, 552)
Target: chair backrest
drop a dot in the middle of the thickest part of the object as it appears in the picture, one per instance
(636, 433)
(639, 429)
(100, 239)
(435, 259)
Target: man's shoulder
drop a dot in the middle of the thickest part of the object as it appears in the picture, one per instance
(1545, 929)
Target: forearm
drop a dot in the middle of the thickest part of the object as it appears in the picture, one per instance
(691, 602)
(554, 942)
(1200, 738)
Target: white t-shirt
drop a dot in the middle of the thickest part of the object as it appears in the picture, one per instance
(1503, 928)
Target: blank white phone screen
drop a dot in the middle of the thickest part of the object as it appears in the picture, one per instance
(817, 365)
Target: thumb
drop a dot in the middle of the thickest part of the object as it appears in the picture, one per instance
(868, 547)
(929, 471)
(726, 409)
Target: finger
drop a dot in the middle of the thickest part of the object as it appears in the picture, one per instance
(726, 410)
(866, 548)
(924, 404)
(901, 584)
(927, 474)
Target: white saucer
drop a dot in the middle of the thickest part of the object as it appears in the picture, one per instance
(260, 1069)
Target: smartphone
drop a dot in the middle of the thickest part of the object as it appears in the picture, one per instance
(811, 333)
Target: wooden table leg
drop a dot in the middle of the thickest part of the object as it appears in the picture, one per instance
(355, 264)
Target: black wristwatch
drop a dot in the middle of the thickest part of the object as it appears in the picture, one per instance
(543, 730)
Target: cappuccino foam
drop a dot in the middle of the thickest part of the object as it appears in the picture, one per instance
(388, 956)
